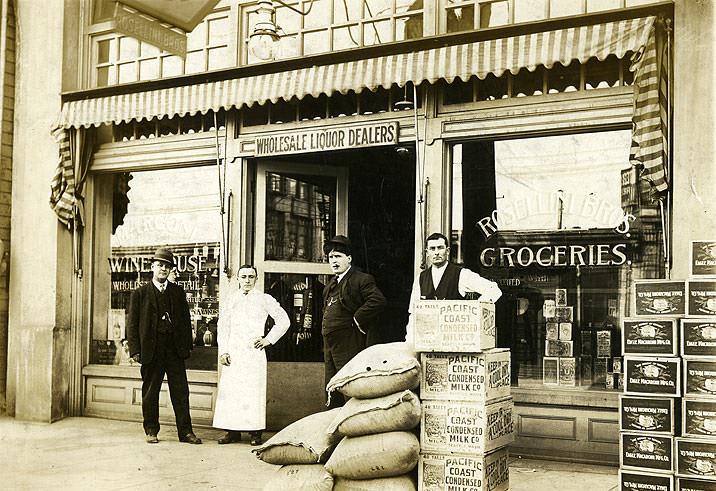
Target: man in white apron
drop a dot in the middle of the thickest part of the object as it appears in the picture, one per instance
(241, 401)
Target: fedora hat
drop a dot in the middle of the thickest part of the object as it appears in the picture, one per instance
(339, 243)
(163, 254)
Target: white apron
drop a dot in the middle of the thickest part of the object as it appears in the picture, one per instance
(241, 399)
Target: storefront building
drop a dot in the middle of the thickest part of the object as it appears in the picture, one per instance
(507, 125)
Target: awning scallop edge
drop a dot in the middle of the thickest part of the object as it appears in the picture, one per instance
(449, 63)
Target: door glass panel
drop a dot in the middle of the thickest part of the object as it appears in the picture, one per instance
(301, 296)
(300, 216)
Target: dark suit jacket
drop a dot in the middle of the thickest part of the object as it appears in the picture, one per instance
(359, 294)
(143, 317)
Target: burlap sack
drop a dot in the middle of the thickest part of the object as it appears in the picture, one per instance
(307, 477)
(305, 441)
(374, 456)
(377, 371)
(394, 412)
(398, 483)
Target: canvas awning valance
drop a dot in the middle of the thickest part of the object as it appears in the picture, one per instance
(449, 63)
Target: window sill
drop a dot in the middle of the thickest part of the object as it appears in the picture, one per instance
(132, 372)
(566, 397)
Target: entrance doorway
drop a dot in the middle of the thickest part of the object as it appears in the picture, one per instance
(300, 201)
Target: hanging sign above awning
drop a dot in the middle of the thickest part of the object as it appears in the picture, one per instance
(150, 31)
(322, 140)
(184, 14)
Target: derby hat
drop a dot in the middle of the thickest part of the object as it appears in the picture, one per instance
(339, 243)
(164, 255)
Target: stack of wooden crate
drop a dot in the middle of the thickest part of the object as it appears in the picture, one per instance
(669, 441)
(467, 418)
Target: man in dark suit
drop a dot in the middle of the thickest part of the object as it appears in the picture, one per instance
(159, 335)
(351, 305)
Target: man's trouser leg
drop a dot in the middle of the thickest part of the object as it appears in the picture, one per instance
(178, 391)
(339, 347)
(152, 377)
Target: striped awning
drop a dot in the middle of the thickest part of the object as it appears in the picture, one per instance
(449, 63)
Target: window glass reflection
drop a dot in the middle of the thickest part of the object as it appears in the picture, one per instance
(300, 212)
(177, 209)
(564, 225)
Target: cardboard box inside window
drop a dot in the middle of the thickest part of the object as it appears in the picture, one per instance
(460, 326)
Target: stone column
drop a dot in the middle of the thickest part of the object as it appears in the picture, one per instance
(40, 264)
(694, 147)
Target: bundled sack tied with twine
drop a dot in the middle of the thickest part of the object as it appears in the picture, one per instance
(377, 371)
(305, 441)
(398, 483)
(374, 456)
(301, 477)
(394, 412)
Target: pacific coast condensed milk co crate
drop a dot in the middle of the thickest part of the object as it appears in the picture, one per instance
(479, 377)
(465, 326)
(441, 472)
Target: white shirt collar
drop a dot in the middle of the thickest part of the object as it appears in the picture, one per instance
(340, 276)
(437, 273)
(159, 285)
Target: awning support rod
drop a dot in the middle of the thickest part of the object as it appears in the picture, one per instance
(222, 191)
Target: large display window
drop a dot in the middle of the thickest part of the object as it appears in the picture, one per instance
(563, 225)
(134, 215)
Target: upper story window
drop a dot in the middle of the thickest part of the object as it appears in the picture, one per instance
(333, 25)
(221, 40)
(118, 59)
(466, 15)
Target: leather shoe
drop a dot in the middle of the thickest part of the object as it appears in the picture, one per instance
(190, 438)
(152, 438)
(256, 438)
(230, 437)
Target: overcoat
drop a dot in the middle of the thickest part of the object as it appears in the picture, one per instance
(241, 399)
(143, 317)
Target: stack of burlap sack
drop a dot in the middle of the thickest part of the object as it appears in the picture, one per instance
(369, 443)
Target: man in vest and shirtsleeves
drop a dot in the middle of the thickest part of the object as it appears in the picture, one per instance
(444, 280)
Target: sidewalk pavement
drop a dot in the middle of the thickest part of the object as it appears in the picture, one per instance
(101, 454)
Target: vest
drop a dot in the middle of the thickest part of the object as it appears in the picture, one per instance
(164, 325)
(448, 287)
(335, 315)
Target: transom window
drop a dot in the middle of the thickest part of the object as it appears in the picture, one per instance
(594, 74)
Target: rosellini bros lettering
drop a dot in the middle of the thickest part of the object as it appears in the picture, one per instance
(152, 32)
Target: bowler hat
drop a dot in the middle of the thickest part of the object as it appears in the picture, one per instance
(339, 243)
(163, 254)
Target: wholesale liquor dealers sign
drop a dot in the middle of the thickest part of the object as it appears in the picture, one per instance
(321, 140)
